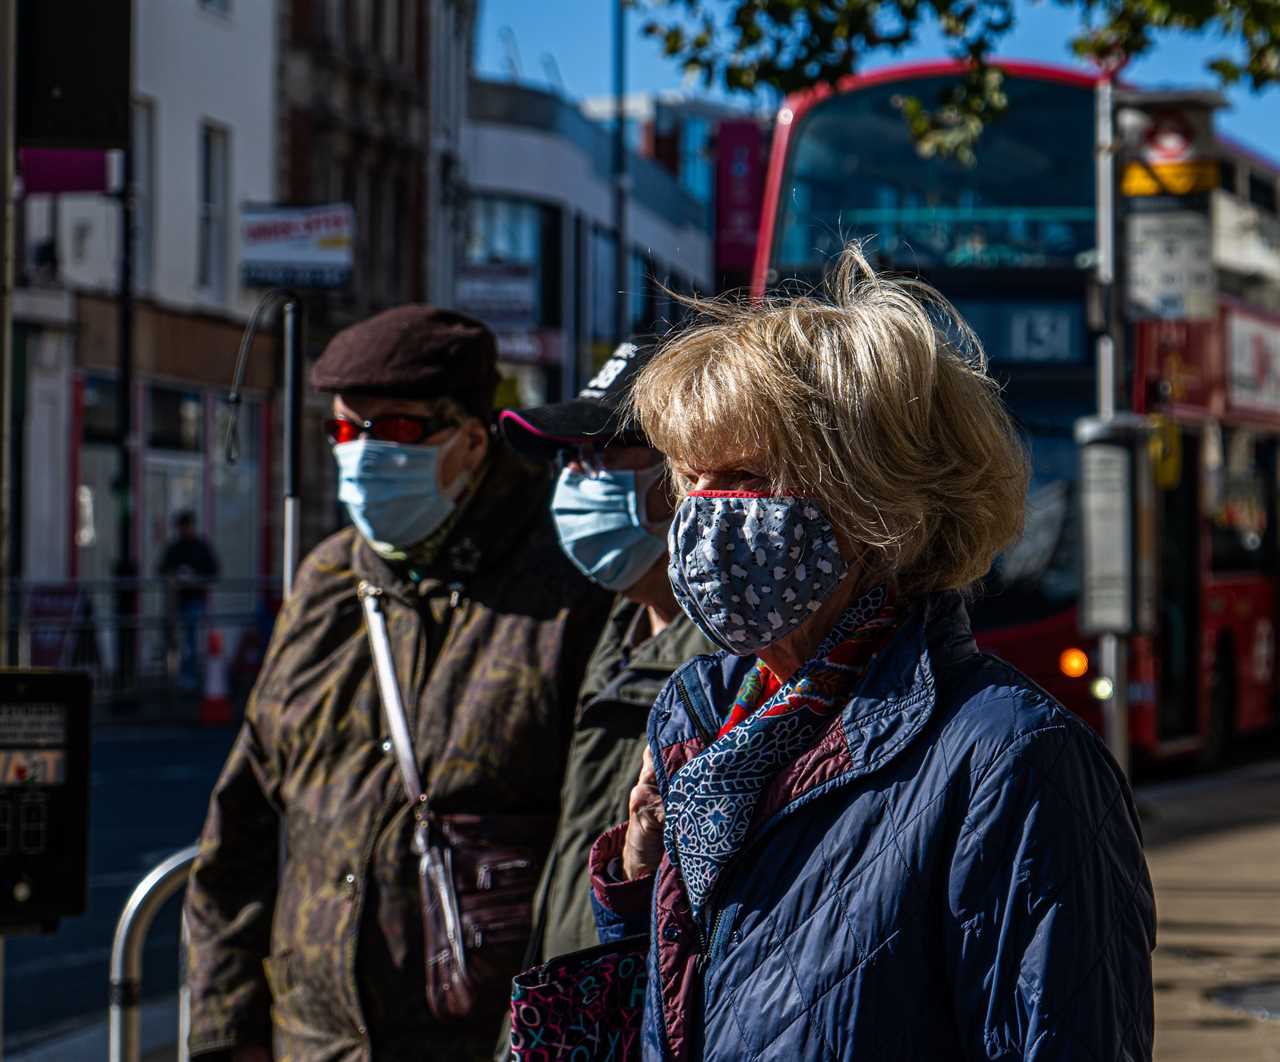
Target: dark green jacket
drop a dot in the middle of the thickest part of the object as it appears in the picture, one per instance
(325, 948)
(604, 759)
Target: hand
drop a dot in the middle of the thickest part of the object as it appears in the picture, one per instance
(642, 850)
(251, 1053)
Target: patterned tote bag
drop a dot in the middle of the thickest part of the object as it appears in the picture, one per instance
(586, 1004)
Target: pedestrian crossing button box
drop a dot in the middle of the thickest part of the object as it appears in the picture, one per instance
(44, 797)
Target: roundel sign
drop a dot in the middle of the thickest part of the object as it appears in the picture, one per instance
(1170, 137)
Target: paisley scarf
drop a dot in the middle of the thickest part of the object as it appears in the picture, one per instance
(712, 799)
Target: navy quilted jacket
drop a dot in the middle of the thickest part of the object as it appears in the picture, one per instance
(957, 874)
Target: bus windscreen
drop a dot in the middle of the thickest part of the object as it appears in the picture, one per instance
(852, 171)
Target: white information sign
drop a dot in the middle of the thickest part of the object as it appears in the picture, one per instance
(296, 247)
(1106, 604)
(1171, 265)
(1253, 363)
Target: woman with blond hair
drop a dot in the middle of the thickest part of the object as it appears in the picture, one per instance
(856, 836)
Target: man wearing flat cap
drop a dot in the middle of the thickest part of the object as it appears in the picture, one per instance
(306, 905)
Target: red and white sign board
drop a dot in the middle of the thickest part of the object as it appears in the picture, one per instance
(1253, 362)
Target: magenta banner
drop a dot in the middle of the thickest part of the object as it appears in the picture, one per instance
(47, 170)
(739, 187)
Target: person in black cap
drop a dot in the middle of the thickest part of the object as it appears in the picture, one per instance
(489, 628)
(612, 505)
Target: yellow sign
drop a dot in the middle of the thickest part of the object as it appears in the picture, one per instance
(1170, 178)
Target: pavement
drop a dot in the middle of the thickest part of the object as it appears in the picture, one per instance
(1213, 846)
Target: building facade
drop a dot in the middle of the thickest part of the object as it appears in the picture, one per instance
(203, 143)
(539, 256)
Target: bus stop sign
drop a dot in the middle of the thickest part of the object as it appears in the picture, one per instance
(1117, 519)
(44, 797)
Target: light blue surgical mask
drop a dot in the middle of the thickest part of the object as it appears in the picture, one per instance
(602, 527)
(392, 492)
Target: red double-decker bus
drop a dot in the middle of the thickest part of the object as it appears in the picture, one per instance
(1011, 241)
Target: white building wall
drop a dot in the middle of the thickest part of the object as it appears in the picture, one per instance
(1245, 239)
(508, 160)
(191, 65)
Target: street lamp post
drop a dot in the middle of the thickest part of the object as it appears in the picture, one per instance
(1112, 646)
(621, 181)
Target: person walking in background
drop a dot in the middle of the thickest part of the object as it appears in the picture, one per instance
(612, 507)
(331, 952)
(854, 835)
(190, 565)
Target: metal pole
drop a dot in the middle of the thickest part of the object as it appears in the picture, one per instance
(124, 1030)
(126, 568)
(1112, 648)
(8, 517)
(292, 438)
(622, 260)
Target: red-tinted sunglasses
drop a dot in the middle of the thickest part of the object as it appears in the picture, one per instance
(401, 428)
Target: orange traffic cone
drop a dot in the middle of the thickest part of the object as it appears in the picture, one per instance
(215, 707)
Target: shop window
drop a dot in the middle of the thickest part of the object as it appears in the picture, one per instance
(175, 420)
(1239, 523)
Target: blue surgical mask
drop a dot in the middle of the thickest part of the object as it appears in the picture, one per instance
(602, 527)
(749, 569)
(392, 492)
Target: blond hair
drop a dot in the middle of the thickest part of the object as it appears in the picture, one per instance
(874, 400)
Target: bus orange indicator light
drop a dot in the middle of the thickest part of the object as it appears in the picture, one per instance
(1073, 663)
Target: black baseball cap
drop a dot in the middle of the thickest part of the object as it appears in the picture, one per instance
(598, 415)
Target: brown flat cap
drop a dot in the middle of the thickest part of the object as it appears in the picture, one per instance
(413, 352)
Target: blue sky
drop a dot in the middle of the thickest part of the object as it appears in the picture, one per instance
(577, 34)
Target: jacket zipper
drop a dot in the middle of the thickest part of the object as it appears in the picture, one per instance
(698, 723)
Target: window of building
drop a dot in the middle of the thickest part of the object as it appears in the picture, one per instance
(501, 231)
(175, 419)
(1262, 192)
(398, 235)
(604, 286)
(388, 29)
(510, 263)
(99, 400)
(638, 301)
(1227, 176)
(214, 210)
(144, 155)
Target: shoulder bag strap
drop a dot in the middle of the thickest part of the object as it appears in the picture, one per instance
(435, 860)
(389, 692)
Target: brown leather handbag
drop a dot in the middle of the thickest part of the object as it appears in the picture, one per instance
(477, 872)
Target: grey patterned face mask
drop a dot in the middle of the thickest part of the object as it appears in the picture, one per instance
(748, 569)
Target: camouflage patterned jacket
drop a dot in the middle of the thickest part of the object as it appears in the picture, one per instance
(490, 646)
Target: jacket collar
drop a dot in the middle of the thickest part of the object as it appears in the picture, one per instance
(890, 707)
(511, 496)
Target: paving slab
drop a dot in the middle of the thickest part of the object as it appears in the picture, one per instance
(1214, 854)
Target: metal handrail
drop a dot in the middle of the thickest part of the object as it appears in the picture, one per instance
(124, 1024)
